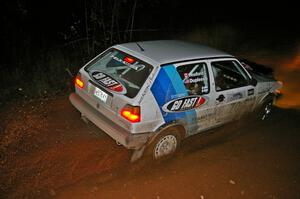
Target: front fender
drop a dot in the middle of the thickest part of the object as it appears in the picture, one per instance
(267, 97)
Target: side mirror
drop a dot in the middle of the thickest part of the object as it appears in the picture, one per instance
(253, 82)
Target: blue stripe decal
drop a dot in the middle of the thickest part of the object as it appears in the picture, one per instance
(175, 80)
(167, 86)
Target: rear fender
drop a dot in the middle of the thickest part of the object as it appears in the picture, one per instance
(177, 126)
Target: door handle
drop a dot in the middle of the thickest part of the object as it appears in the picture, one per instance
(221, 98)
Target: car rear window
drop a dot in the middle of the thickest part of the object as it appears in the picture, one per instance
(126, 69)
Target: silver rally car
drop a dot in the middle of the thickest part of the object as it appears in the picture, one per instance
(150, 95)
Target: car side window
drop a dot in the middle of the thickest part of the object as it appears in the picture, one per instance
(195, 78)
(228, 75)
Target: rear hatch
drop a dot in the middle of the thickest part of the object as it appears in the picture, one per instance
(113, 80)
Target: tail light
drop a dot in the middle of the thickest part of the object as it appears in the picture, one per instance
(131, 113)
(117, 88)
(78, 81)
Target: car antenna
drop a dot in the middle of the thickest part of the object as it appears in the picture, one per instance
(142, 49)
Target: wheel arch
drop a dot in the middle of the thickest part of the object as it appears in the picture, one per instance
(268, 97)
(178, 126)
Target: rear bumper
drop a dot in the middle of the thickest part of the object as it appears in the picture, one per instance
(127, 139)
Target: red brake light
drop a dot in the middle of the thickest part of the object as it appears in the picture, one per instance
(129, 60)
(117, 88)
(78, 82)
(131, 113)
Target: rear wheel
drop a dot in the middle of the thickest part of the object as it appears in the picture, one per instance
(165, 144)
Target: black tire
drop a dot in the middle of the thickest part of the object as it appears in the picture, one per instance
(265, 110)
(164, 144)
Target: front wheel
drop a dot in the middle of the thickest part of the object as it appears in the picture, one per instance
(266, 110)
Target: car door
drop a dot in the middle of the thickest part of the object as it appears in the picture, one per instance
(196, 79)
(231, 91)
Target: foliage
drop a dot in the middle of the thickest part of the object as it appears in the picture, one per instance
(38, 63)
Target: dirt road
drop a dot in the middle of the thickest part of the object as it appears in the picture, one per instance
(57, 155)
(46, 151)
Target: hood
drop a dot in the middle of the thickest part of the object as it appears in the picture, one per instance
(262, 78)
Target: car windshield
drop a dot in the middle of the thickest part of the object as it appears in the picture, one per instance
(126, 69)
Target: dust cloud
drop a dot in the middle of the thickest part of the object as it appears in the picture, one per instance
(286, 66)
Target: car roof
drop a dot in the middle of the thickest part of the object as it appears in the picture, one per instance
(170, 51)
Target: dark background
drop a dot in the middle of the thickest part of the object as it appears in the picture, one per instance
(47, 20)
(44, 41)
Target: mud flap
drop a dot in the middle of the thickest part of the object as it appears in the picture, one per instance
(85, 119)
(137, 154)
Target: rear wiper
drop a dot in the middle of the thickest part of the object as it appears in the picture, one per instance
(142, 49)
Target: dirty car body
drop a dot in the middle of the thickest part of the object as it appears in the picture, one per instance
(134, 91)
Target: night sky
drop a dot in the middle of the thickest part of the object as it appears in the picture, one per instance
(48, 19)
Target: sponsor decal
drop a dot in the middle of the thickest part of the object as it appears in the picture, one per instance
(144, 93)
(151, 77)
(184, 104)
(250, 92)
(168, 84)
(190, 78)
(108, 82)
(205, 89)
(206, 115)
(235, 96)
(196, 74)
